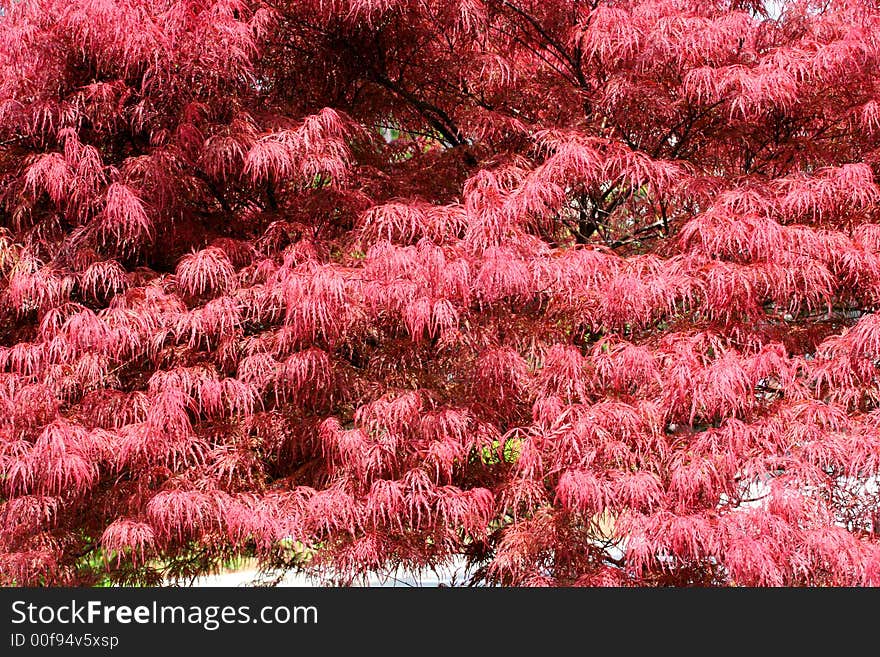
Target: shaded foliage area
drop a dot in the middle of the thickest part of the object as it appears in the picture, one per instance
(582, 291)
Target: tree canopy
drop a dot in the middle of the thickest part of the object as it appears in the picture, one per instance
(582, 292)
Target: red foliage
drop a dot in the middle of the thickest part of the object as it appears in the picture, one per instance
(584, 292)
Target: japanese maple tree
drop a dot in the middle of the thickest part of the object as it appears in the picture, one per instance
(584, 293)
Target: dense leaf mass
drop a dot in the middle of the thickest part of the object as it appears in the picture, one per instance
(583, 292)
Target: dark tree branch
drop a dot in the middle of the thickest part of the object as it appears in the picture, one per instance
(438, 118)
